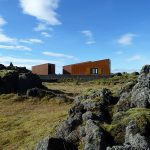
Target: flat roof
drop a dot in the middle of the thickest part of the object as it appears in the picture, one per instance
(43, 64)
(86, 62)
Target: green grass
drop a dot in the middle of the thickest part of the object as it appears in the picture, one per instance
(5, 72)
(121, 120)
(23, 124)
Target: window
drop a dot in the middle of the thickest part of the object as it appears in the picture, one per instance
(94, 71)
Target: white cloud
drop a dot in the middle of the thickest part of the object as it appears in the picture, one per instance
(2, 21)
(43, 10)
(89, 35)
(43, 27)
(31, 41)
(135, 58)
(6, 39)
(59, 55)
(119, 52)
(126, 39)
(15, 47)
(46, 34)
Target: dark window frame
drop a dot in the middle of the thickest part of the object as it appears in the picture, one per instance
(94, 71)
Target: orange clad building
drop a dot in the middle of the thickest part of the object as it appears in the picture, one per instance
(44, 69)
(100, 67)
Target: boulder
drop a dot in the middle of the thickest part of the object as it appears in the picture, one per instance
(9, 82)
(28, 81)
(125, 147)
(2, 67)
(140, 96)
(94, 138)
(145, 69)
(133, 139)
(54, 144)
(88, 115)
(35, 92)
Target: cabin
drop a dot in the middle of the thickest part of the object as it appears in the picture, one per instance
(99, 67)
(44, 69)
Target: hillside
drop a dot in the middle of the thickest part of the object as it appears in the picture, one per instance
(109, 118)
(101, 112)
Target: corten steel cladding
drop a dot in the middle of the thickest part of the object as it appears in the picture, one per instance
(102, 66)
(44, 69)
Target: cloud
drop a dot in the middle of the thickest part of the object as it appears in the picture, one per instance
(31, 41)
(15, 47)
(45, 34)
(6, 39)
(89, 35)
(43, 10)
(2, 21)
(135, 58)
(43, 27)
(58, 55)
(126, 39)
(119, 52)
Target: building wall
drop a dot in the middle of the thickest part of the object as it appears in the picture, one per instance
(44, 69)
(67, 69)
(85, 68)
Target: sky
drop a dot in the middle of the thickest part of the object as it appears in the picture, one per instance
(65, 32)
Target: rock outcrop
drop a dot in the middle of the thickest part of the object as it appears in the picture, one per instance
(54, 144)
(83, 121)
(136, 95)
(91, 125)
(27, 81)
(141, 91)
(17, 79)
(133, 139)
(8, 82)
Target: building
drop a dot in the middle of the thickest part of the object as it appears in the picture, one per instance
(44, 69)
(100, 67)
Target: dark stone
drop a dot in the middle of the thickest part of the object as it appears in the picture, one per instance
(28, 81)
(145, 69)
(9, 83)
(94, 139)
(55, 144)
(2, 67)
(35, 92)
(141, 91)
(134, 138)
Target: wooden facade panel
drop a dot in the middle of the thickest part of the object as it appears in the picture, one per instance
(44, 69)
(67, 69)
(103, 67)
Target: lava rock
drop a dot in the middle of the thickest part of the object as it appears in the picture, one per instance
(35, 92)
(88, 115)
(28, 81)
(145, 69)
(2, 67)
(141, 91)
(54, 144)
(94, 139)
(9, 83)
(134, 138)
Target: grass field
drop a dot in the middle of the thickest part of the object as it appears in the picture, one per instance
(24, 123)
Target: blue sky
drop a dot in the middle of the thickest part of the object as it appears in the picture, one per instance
(70, 31)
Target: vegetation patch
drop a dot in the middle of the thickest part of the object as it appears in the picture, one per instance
(121, 120)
